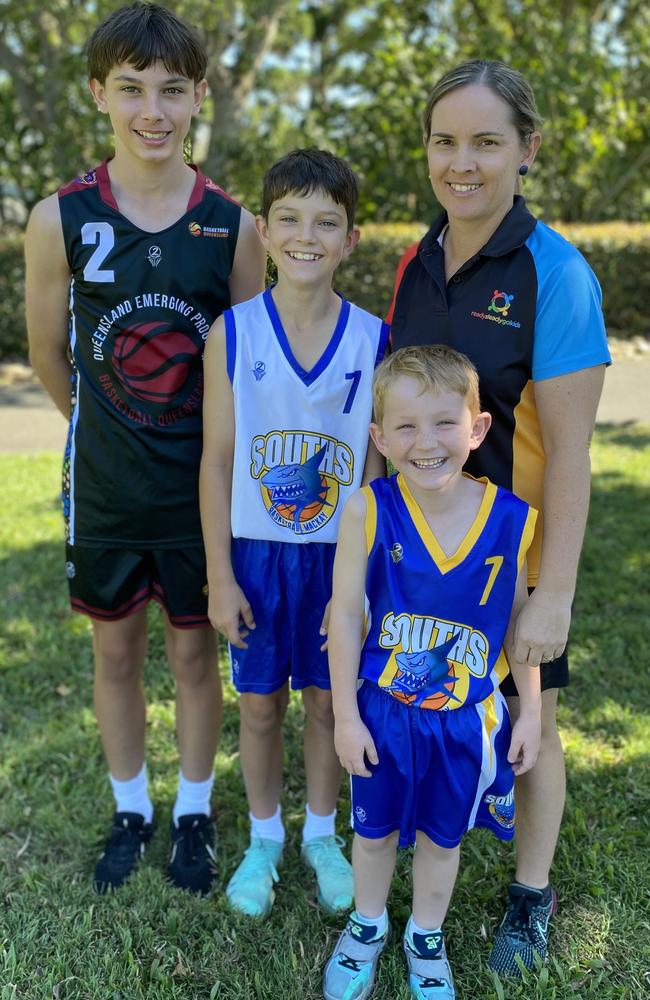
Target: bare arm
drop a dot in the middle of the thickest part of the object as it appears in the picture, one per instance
(566, 406)
(351, 738)
(249, 264)
(47, 291)
(228, 608)
(526, 732)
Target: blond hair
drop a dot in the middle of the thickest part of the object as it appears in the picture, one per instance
(436, 366)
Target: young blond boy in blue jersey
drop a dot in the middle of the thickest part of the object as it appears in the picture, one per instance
(288, 402)
(434, 562)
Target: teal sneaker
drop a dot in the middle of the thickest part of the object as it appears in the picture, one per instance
(333, 872)
(429, 972)
(250, 890)
(350, 972)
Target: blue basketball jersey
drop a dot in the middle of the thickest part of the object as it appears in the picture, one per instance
(437, 623)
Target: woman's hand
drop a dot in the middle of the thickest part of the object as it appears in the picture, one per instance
(542, 628)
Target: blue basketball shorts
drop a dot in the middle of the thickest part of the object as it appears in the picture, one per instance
(288, 586)
(439, 772)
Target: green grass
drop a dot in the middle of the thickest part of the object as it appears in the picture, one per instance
(58, 940)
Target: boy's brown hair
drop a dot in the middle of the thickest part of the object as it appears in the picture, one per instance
(436, 367)
(142, 34)
(304, 171)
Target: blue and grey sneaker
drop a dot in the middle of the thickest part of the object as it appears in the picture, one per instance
(350, 971)
(250, 890)
(333, 872)
(524, 929)
(430, 976)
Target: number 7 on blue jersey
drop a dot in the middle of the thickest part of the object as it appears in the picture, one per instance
(356, 378)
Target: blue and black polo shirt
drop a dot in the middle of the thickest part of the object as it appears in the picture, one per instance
(525, 308)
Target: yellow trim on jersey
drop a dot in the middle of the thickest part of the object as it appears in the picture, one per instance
(443, 561)
(527, 536)
(371, 517)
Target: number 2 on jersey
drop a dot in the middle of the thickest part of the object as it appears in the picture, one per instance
(102, 234)
(356, 378)
(495, 563)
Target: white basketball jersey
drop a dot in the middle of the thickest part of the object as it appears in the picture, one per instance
(300, 437)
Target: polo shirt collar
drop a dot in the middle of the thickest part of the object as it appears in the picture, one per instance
(512, 232)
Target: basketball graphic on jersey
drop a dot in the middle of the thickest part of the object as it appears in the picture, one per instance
(152, 362)
(299, 496)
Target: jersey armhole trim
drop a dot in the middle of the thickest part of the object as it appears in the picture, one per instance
(383, 342)
(370, 520)
(231, 343)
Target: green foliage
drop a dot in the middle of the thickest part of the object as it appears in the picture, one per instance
(618, 252)
(353, 77)
(13, 338)
(150, 941)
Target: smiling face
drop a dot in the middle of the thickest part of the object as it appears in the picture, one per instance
(474, 153)
(150, 110)
(427, 435)
(307, 236)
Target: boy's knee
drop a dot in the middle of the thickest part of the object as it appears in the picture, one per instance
(263, 713)
(119, 664)
(192, 662)
(318, 706)
(376, 845)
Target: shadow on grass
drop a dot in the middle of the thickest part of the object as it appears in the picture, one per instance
(627, 435)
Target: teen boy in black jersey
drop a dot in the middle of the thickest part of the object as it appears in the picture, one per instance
(127, 267)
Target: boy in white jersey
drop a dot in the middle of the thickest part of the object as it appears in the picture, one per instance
(430, 571)
(288, 400)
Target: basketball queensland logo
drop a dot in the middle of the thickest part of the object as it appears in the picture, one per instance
(300, 475)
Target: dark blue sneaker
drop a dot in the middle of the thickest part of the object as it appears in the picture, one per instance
(192, 864)
(122, 851)
(524, 929)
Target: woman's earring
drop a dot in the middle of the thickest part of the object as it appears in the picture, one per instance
(523, 169)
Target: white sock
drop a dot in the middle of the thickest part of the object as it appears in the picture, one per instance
(133, 795)
(192, 797)
(268, 829)
(380, 922)
(413, 928)
(317, 826)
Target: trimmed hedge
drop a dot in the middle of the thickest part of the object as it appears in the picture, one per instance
(619, 253)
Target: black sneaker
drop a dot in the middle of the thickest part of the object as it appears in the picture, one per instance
(524, 929)
(192, 864)
(124, 848)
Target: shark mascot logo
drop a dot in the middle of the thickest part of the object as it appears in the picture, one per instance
(426, 677)
(300, 475)
(297, 493)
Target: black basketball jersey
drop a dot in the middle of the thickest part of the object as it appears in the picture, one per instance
(141, 305)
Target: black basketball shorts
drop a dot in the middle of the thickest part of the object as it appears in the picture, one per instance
(109, 584)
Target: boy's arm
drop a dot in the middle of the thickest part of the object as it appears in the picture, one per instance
(526, 732)
(47, 293)
(227, 604)
(249, 263)
(351, 738)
